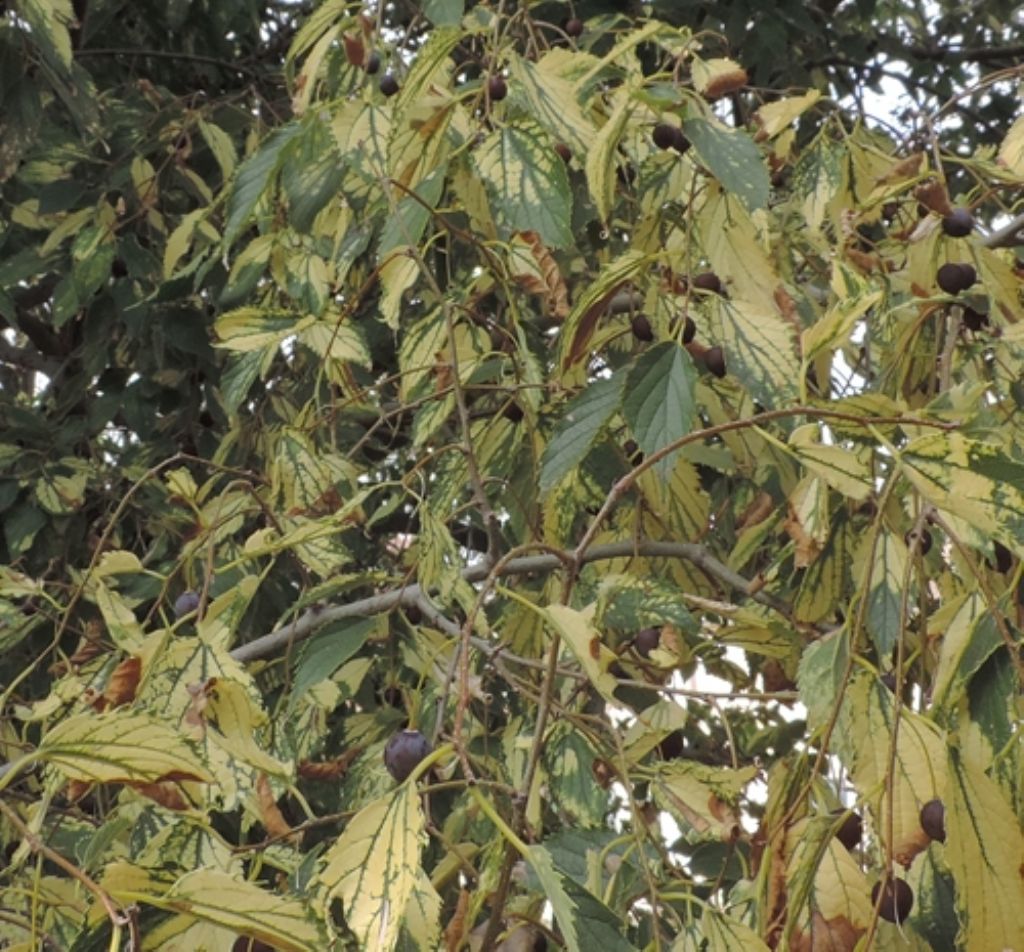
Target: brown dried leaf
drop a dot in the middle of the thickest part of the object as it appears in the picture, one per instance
(756, 513)
(934, 197)
(123, 683)
(907, 168)
(547, 282)
(167, 794)
(807, 547)
(270, 814)
(355, 52)
(455, 931)
(726, 83)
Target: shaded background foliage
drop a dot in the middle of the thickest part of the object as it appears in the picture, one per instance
(170, 176)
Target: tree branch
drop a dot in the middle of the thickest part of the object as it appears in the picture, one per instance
(1010, 235)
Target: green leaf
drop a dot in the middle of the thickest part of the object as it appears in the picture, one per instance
(584, 418)
(254, 328)
(884, 598)
(733, 158)
(586, 643)
(443, 12)
(404, 226)
(120, 747)
(723, 933)
(585, 921)
(659, 401)
(311, 172)
(603, 156)
(254, 177)
(526, 183)
(969, 637)
(327, 651)
(820, 676)
(568, 761)
(373, 867)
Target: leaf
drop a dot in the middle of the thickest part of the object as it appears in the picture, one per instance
(579, 326)
(760, 350)
(820, 675)
(552, 98)
(603, 156)
(819, 176)
(884, 599)
(977, 482)
(215, 896)
(773, 117)
(702, 798)
(120, 747)
(526, 183)
(253, 178)
(723, 933)
(984, 846)
(233, 718)
(1011, 150)
(373, 867)
(49, 21)
(421, 927)
(969, 637)
(733, 246)
(327, 651)
(918, 769)
(585, 921)
(733, 158)
(585, 642)
(659, 403)
(568, 759)
(254, 328)
(443, 12)
(584, 417)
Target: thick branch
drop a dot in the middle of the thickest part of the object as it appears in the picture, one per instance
(304, 626)
(1011, 234)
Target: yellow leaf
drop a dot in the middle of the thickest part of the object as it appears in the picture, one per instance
(120, 747)
(984, 849)
(585, 642)
(773, 117)
(373, 868)
(1011, 152)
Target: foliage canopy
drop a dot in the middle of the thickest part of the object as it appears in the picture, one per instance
(641, 430)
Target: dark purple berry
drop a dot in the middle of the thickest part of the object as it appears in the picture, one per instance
(958, 223)
(573, 27)
(372, 64)
(642, 329)
(714, 360)
(664, 135)
(388, 84)
(403, 752)
(850, 830)
(689, 330)
(497, 88)
(933, 820)
(708, 281)
(646, 640)
(897, 899)
(185, 604)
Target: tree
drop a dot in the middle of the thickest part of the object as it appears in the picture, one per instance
(407, 413)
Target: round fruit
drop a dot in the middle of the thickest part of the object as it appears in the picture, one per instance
(679, 142)
(850, 830)
(564, 152)
(897, 899)
(185, 604)
(388, 84)
(689, 330)
(708, 281)
(958, 223)
(714, 360)
(641, 327)
(954, 278)
(512, 412)
(497, 88)
(920, 540)
(646, 640)
(664, 135)
(372, 64)
(403, 752)
(118, 268)
(933, 820)
(573, 27)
